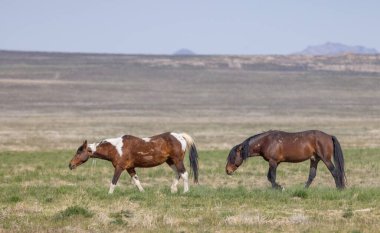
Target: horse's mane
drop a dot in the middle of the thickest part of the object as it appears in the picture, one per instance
(80, 149)
(245, 148)
(232, 154)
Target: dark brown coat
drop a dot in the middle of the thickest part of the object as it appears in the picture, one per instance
(278, 146)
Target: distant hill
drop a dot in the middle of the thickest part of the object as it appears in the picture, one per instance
(331, 49)
(348, 62)
(184, 52)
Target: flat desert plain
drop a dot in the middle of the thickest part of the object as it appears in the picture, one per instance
(51, 102)
(56, 100)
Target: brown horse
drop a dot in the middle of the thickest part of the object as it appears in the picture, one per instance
(277, 146)
(128, 152)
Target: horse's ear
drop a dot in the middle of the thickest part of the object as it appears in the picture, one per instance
(85, 144)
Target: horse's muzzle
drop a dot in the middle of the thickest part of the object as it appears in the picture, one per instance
(231, 169)
(229, 172)
(71, 166)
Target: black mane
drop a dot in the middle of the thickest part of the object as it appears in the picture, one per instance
(232, 154)
(245, 148)
(244, 151)
(80, 149)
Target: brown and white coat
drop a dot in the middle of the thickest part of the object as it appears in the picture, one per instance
(129, 152)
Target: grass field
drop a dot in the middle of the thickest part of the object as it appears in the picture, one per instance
(38, 193)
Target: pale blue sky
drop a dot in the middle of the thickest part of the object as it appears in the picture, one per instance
(206, 27)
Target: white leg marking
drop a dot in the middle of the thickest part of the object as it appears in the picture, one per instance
(185, 177)
(112, 187)
(174, 188)
(135, 180)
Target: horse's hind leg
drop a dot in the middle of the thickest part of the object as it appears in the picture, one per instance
(135, 178)
(333, 171)
(184, 175)
(272, 174)
(313, 170)
(327, 154)
(173, 187)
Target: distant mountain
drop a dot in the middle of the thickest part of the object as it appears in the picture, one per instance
(184, 52)
(330, 48)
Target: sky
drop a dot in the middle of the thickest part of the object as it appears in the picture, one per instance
(203, 26)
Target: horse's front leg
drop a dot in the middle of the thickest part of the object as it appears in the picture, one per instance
(135, 178)
(313, 171)
(272, 174)
(116, 175)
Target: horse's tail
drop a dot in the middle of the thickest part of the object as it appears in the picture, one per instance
(339, 163)
(193, 154)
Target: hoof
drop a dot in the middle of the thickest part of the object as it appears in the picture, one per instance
(278, 187)
(174, 190)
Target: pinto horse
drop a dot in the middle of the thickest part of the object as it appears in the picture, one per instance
(128, 152)
(278, 146)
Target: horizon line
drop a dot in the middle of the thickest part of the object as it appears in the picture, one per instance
(177, 55)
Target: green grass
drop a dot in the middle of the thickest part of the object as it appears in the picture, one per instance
(73, 211)
(38, 193)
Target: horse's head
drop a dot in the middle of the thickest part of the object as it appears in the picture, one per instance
(234, 159)
(81, 156)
